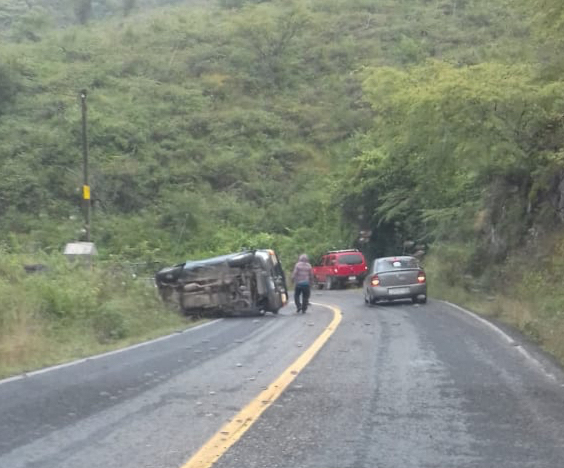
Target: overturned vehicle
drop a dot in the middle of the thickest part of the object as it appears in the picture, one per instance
(244, 283)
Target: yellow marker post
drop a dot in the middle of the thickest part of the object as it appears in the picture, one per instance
(86, 192)
(231, 432)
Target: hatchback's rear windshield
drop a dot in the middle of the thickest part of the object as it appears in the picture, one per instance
(350, 259)
(397, 263)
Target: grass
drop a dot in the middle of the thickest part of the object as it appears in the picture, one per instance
(29, 347)
(70, 312)
(531, 301)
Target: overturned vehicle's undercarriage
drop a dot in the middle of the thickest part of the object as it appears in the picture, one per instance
(244, 283)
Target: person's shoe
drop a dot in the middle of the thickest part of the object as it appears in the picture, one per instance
(298, 310)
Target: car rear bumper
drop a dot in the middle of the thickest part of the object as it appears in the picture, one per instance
(352, 278)
(397, 292)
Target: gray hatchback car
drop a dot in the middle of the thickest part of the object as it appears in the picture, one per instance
(392, 278)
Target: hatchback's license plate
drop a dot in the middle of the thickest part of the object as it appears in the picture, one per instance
(352, 278)
(398, 291)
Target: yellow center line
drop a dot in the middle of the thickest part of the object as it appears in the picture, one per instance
(231, 432)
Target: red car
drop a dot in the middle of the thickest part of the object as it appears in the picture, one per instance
(338, 268)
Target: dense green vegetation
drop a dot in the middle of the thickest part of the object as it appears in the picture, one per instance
(69, 311)
(213, 129)
(291, 124)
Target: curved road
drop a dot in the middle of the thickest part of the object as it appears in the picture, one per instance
(396, 385)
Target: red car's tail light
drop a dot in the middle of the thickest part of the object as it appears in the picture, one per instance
(421, 277)
(375, 281)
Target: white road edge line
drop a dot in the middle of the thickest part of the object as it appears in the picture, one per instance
(507, 338)
(26, 375)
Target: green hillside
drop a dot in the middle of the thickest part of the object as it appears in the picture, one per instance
(224, 124)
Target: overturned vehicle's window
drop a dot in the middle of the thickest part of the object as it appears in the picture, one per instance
(243, 283)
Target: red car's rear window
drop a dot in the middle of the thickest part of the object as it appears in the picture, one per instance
(350, 259)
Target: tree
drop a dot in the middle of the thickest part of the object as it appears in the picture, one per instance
(449, 142)
(128, 6)
(8, 87)
(238, 3)
(83, 10)
(549, 13)
(32, 25)
(548, 26)
(268, 32)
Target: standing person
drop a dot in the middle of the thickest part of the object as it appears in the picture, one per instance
(303, 278)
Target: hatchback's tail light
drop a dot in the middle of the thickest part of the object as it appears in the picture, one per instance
(421, 277)
(375, 281)
(336, 270)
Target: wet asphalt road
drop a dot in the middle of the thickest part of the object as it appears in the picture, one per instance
(396, 385)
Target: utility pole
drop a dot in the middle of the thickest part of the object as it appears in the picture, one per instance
(85, 186)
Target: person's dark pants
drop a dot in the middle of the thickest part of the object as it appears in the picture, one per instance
(303, 291)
